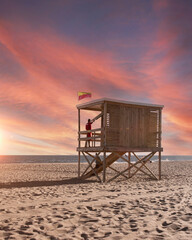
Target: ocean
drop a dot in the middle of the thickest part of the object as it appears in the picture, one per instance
(74, 158)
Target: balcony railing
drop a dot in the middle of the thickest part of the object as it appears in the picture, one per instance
(96, 138)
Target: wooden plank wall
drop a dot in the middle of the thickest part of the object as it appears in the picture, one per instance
(131, 126)
(152, 138)
(113, 130)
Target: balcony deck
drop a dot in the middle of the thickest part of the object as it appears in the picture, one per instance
(118, 149)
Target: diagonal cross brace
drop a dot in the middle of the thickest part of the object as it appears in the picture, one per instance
(133, 165)
(143, 161)
(90, 165)
(146, 168)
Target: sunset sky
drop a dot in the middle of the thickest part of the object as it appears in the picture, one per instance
(135, 50)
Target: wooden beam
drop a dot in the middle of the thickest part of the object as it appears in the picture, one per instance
(141, 159)
(88, 131)
(117, 171)
(104, 139)
(92, 167)
(121, 157)
(104, 123)
(97, 117)
(160, 130)
(120, 173)
(129, 163)
(89, 138)
(104, 166)
(146, 167)
(159, 165)
(79, 144)
(143, 162)
(90, 149)
(151, 172)
(87, 168)
(96, 158)
(132, 149)
(97, 134)
(79, 163)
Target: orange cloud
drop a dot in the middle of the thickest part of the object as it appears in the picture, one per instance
(47, 55)
(56, 69)
(171, 78)
(42, 105)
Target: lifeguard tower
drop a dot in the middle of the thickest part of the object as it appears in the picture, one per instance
(124, 128)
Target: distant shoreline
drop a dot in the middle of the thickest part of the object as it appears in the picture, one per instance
(74, 158)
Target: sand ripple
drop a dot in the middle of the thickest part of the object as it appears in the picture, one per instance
(139, 208)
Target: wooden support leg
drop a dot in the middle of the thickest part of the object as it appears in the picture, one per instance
(159, 165)
(129, 161)
(79, 163)
(104, 166)
(98, 161)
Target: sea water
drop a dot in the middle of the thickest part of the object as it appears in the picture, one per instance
(74, 158)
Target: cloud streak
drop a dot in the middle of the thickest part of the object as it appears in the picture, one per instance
(45, 100)
(42, 70)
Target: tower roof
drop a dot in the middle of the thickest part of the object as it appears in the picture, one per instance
(97, 104)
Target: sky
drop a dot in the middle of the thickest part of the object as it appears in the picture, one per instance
(134, 50)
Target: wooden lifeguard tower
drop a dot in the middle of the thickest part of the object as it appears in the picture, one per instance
(125, 127)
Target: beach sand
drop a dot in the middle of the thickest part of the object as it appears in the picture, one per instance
(43, 201)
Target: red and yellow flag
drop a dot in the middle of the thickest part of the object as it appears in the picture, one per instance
(82, 95)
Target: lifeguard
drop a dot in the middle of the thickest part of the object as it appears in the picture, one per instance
(88, 127)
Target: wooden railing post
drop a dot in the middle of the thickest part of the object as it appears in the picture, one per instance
(96, 137)
(104, 142)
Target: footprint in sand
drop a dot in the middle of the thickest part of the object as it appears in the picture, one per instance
(84, 236)
(165, 224)
(28, 223)
(174, 227)
(133, 225)
(159, 230)
(184, 229)
(24, 233)
(24, 227)
(90, 208)
(59, 225)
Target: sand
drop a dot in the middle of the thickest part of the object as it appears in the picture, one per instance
(41, 201)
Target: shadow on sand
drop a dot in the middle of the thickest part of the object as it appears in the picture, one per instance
(45, 183)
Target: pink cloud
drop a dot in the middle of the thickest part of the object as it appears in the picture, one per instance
(45, 94)
(171, 81)
(41, 52)
(57, 68)
(160, 5)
